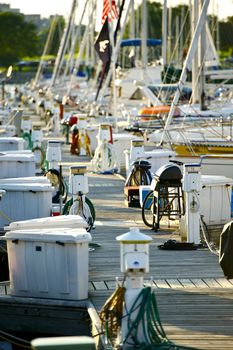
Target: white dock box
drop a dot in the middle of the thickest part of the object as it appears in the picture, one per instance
(26, 180)
(51, 222)
(48, 263)
(17, 165)
(158, 158)
(25, 201)
(215, 199)
(121, 142)
(11, 143)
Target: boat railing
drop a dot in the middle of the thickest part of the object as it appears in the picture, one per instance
(4, 287)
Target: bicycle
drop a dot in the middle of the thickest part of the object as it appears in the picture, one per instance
(153, 211)
(165, 197)
(81, 205)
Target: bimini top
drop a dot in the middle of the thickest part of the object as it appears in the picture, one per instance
(138, 42)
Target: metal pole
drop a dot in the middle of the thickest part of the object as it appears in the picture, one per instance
(195, 93)
(115, 51)
(164, 33)
(63, 45)
(74, 41)
(202, 65)
(45, 51)
(187, 65)
(144, 39)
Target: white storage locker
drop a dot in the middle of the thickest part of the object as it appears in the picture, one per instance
(215, 199)
(158, 158)
(121, 142)
(11, 143)
(49, 263)
(17, 165)
(25, 201)
(68, 221)
(26, 180)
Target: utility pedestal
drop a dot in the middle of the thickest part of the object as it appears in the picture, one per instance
(78, 181)
(83, 140)
(134, 264)
(136, 152)
(53, 153)
(26, 127)
(39, 154)
(192, 186)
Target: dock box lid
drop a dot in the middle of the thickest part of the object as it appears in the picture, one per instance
(72, 221)
(51, 235)
(215, 180)
(159, 153)
(123, 137)
(26, 187)
(11, 157)
(11, 139)
(29, 179)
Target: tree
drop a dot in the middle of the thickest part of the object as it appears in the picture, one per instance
(59, 25)
(226, 38)
(18, 38)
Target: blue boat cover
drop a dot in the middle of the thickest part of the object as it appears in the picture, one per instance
(137, 42)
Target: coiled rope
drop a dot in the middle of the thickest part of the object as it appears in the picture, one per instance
(142, 315)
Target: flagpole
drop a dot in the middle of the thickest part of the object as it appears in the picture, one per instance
(115, 52)
(113, 67)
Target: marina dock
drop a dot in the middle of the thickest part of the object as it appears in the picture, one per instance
(194, 299)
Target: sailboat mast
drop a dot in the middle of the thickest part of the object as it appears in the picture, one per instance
(144, 39)
(202, 52)
(63, 45)
(187, 65)
(164, 33)
(77, 34)
(194, 16)
(45, 51)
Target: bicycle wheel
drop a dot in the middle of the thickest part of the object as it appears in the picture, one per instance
(149, 210)
(91, 207)
(88, 202)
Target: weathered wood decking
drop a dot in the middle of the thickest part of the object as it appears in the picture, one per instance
(195, 301)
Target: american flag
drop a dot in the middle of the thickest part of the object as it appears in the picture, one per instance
(109, 10)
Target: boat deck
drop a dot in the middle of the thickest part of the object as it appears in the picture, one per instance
(194, 299)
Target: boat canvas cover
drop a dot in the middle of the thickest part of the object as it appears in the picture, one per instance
(226, 250)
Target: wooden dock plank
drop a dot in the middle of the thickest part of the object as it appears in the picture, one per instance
(174, 283)
(161, 283)
(99, 285)
(211, 282)
(187, 283)
(224, 283)
(194, 300)
(199, 283)
(111, 285)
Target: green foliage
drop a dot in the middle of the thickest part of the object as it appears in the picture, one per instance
(18, 38)
(226, 37)
(154, 26)
(59, 24)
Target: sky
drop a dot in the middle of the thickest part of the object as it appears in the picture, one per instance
(52, 7)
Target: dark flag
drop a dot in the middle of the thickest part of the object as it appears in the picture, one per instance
(102, 44)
